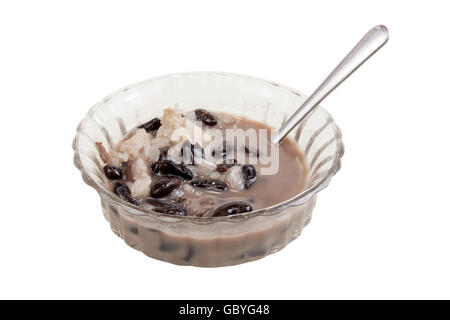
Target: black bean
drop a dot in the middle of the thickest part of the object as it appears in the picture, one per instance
(232, 208)
(154, 167)
(124, 193)
(177, 211)
(210, 184)
(113, 173)
(163, 153)
(249, 174)
(164, 185)
(152, 125)
(133, 201)
(206, 117)
(172, 168)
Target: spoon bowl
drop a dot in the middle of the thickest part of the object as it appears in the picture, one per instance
(372, 41)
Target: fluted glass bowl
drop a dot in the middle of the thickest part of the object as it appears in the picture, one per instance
(213, 241)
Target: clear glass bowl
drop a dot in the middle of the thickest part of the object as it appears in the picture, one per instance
(214, 241)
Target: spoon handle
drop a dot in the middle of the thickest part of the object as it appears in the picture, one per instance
(364, 49)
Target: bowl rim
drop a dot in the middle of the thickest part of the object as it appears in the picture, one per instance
(296, 200)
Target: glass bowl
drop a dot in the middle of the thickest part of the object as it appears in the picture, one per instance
(213, 241)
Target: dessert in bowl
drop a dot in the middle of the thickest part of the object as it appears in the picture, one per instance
(210, 200)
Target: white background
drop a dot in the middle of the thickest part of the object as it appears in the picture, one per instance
(380, 230)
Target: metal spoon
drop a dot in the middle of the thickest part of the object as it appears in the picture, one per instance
(364, 49)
